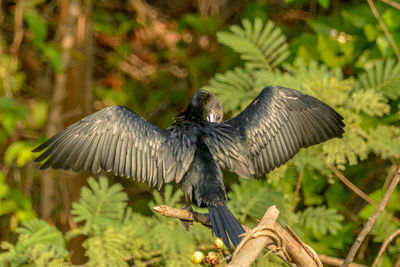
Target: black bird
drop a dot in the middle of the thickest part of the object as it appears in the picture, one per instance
(197, 146)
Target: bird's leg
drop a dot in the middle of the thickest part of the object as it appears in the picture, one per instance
(186, 223)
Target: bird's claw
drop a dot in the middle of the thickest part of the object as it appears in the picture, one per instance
(186, 223)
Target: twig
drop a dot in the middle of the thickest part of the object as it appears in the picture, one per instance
(350, 185)
(371, 220)
(182, 214)
(360, 193)
(390, 175)
(392, 3)
(336, 261)
(384, 246)
(18, 27)
(298, 186)
(384, 28)
(267, 233)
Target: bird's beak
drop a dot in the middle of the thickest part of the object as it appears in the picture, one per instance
(212, 117)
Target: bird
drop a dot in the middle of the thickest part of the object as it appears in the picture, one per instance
(197, 146)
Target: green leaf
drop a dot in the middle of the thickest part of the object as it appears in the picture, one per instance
(53, 55)
(39, 114)
(370, 32)
(201, 24)
(7, 104)
(247, 199)
(37, 242)
(277, 77)
(333, 53)
(383, 227)
(382, 76)
(391, 19)
(359, 16)
(169, 198)
(385, 141)
(11, 113)
(37, 26)
(261, 46)
(321, 221)
(324, 25)
(383, 45)
(100, 205)
(21, 151)
(324, 3)
(110, 248)
(369, 101)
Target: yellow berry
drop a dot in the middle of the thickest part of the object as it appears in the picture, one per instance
(212, 256)
(197, 257)
(218, 243)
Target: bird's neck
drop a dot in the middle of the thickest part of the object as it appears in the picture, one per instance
(190, 114)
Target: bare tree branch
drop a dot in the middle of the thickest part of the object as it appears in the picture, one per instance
(384, 246)
(182, 214)
(337, 262)
(384, 28)
(268, 233)
(359, 192)
(392, 3)
(371, 220)
(297, 190)
(18, 27)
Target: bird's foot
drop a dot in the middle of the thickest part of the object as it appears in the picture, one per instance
(186, 223)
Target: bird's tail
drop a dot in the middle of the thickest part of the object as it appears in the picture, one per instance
(224, 224)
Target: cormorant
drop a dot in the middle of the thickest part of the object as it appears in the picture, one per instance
(197, 146)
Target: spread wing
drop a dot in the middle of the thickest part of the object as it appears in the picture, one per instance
(118, 140)
(271, 130)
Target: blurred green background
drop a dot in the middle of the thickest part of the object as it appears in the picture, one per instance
(61, 60)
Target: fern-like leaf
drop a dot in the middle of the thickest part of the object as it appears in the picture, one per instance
(321, 82)
(321, 221)
(169, 198)
(277, 77)
(100, 205)
(383, 76)
(174, 242)
(369, 101)
(261, 46)
(239, 83)
(110, 248)
(385, 141)
(252, 198)
(38, 242)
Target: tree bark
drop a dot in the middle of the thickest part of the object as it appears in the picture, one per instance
(66, 36)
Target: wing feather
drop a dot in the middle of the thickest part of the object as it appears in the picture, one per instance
(271, 130)
(117, 140)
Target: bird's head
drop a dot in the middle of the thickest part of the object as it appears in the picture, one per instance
(209, 105)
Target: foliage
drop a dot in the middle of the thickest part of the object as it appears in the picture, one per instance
(354, 102)
(261, 46)
(152, 56)
(113, 236)
(100, 205)
(321, 221)
(248, 201)
(12, 201)
(38, 242)
(365, 103)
